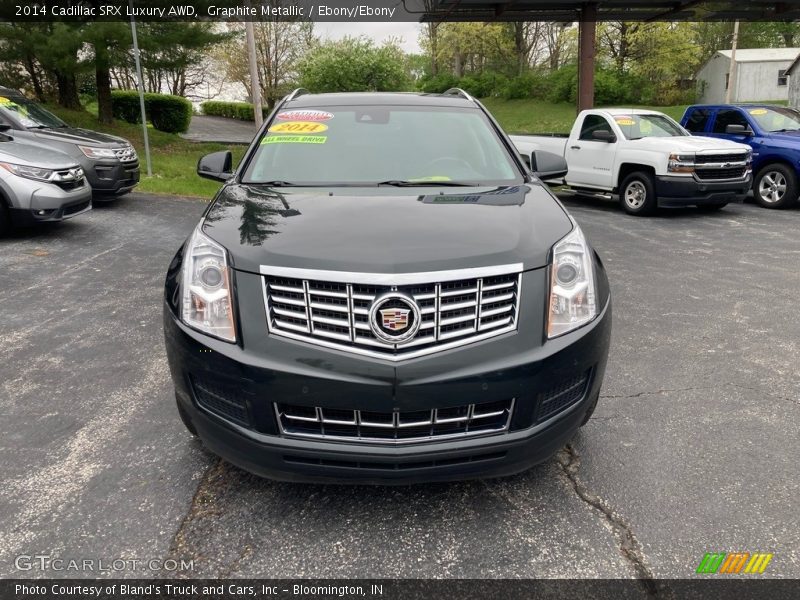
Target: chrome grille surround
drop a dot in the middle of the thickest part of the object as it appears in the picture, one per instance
(331, 308)
(402, 427)
(717, 166)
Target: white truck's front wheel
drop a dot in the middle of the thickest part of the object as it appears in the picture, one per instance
(637, 194)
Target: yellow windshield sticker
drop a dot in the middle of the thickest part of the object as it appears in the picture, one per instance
(4, 100)
(431, 178)
(294, 139)
(758, 111)
(625, 121)
(298, 127)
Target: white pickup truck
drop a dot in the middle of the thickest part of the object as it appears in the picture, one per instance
(646, 158)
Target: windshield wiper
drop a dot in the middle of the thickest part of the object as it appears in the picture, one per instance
(407, 183)
(785, 129)
(276, 183)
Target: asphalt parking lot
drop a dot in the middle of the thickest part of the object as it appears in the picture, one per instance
(693, 447)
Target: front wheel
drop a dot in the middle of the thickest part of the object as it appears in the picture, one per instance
(637, 194)
(775, 186)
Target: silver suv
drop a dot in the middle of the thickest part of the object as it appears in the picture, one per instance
(38, 185)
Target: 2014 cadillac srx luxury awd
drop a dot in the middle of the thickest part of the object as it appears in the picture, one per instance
(384, 292)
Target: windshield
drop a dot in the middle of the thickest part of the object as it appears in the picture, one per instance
(776, 118)
(636, 127)
(29, 113)
(370, 145)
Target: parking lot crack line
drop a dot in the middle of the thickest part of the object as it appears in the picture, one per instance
(203, 505)
(570, 462)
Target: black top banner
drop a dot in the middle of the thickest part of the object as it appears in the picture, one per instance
(392, 10)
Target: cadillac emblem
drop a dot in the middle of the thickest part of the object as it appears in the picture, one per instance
(394, 318)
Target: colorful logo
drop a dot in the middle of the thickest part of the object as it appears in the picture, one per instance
(734, 562)
(395, 319)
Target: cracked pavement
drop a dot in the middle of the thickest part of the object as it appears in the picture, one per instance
(693, 447)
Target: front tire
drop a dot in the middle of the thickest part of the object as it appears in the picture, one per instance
(637, 194)
(775, 186)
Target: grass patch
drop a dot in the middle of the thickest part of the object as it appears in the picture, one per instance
(174, 159)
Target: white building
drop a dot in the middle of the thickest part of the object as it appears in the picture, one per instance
(760, 75)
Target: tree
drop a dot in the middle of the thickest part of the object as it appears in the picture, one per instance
(526, 36)
(354, 65)
(108, 39)
(280, 45)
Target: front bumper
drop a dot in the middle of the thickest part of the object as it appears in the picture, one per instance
(49, 203)
(685, 191)
(266, 369)
(111, 178)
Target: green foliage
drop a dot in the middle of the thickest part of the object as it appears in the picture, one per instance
(354, 65)
(439, 83)
(168, 113)
(232, 110)
(528, 85)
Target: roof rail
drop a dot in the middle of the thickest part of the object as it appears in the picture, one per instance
(458, 92)
(296, 93)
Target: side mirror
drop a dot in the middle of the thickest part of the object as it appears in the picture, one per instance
(217, 166)
(738, 130)
(603, 135)
(4, 127)
(547, 165)
(526, 158)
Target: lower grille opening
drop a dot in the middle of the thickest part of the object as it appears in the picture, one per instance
(561, 396)
(222, 401)
(732, 173)
(394, 466)
(394, 427)
(76, 208)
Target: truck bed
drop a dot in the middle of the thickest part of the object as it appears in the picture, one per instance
(555, 143)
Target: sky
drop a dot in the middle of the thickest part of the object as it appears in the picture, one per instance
(377, 31)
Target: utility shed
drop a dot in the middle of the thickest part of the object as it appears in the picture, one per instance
(794, 83)
(761, 74)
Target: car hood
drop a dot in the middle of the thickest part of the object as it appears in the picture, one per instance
(34, 156)
(386, 230)
(80, 136)
(689, 144)
(790, 138)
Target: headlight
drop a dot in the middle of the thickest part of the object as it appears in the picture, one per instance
(92, 152)
(207, 301)
(681, 163)
(36, 173)
(573, 302)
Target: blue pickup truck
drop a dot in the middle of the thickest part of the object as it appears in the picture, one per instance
(774, 134)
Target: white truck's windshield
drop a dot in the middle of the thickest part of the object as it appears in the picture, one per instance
(636, 127)
(377, 144)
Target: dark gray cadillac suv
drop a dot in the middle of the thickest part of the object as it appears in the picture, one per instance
(384, 292)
